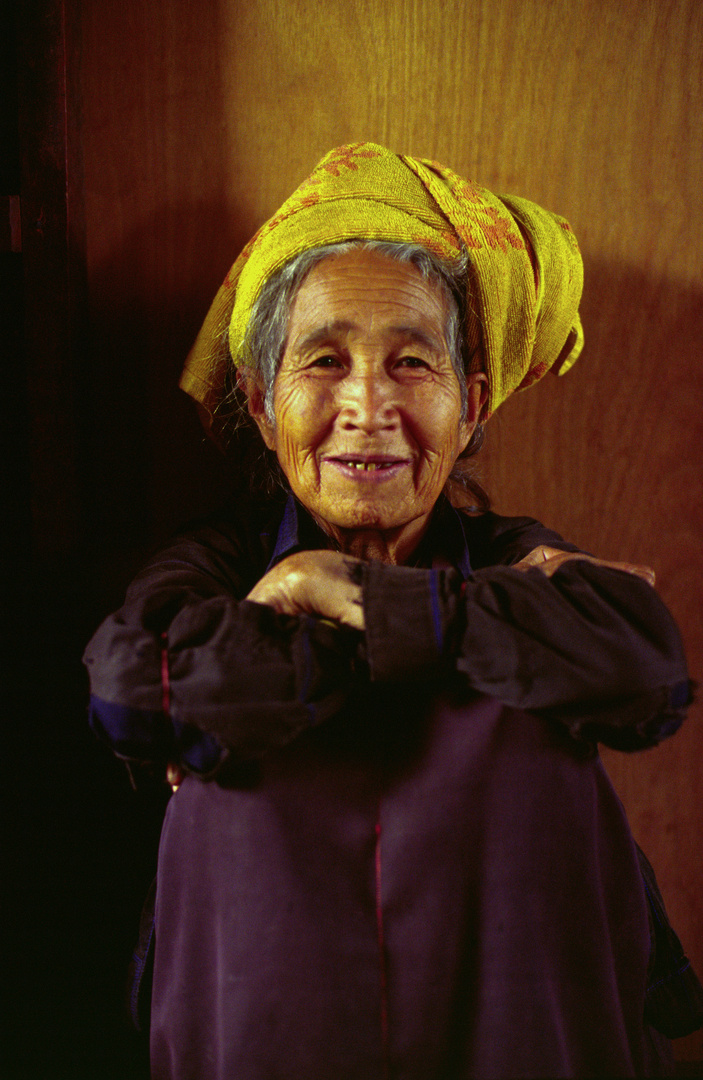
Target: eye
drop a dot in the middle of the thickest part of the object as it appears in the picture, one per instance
(412, 362)
(325, 362)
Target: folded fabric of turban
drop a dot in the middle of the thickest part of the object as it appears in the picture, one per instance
(525, 269)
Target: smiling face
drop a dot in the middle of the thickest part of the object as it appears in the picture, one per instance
(367, 403)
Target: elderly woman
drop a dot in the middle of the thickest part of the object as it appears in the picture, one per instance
(394, 851)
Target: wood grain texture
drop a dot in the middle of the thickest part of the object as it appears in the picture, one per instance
(198, 120)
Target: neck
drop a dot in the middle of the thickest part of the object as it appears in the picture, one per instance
(394, 546)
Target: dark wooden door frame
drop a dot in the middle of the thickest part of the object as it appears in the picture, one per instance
(52, 255)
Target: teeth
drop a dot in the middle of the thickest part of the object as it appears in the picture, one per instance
(365, 466)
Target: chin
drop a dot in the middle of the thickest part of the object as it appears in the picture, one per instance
(364, 518)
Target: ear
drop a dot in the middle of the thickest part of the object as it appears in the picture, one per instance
(477, 386)
(477, 396)
(253, 388)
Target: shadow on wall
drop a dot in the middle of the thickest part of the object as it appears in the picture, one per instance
(147, 462)
(613, 448)
(645, 340)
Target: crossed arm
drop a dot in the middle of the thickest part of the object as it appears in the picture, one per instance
(592, 646)
(328, 583)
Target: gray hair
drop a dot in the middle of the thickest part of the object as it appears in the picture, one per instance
(267, 330)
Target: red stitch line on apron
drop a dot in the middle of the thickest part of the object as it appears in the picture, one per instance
(381, 951)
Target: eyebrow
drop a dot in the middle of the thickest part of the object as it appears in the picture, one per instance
(411, 334)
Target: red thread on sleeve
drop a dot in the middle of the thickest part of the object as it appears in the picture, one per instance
(165, 682)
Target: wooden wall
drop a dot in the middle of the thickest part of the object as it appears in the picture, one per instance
(199, 119)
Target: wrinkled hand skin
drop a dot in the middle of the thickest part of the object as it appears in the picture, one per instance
(548, 560)
(314, 583)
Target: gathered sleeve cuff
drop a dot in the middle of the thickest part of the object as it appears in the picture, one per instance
(249, 678)
(411, 616)
(591, 647)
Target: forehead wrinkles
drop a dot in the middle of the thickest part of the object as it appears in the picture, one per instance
(394, 337)
(343, 300)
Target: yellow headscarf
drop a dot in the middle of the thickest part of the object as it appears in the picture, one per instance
(525, 270)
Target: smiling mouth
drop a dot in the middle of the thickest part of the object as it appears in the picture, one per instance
(367, 466)
(374, 467)
(372, 464)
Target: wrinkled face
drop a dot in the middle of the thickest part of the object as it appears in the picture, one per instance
(367, 404)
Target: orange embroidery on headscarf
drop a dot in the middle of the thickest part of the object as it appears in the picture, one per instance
(291, 208)
(500, 231)
(468, 239)
(437, 248)
(466, 190)
(533, 375)
(463, 189)
(567, 229)
(311, 181)
(345, 156)
(243, 256)
(271, 224)
(307, 200)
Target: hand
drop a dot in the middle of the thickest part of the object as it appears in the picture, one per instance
(174, 776)
(548, 560)
(315, 583)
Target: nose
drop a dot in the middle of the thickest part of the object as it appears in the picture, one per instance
(368, 401)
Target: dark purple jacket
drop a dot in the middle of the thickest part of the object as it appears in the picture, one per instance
(408, 862)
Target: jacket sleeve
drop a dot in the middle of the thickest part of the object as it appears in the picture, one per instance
(186, 671)
(592, 647)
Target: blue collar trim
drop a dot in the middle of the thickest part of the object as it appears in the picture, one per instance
(446, 538)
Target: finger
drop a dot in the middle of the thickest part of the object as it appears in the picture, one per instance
(554, 562)
(174, 775)
(644, 572)
(538, 557)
